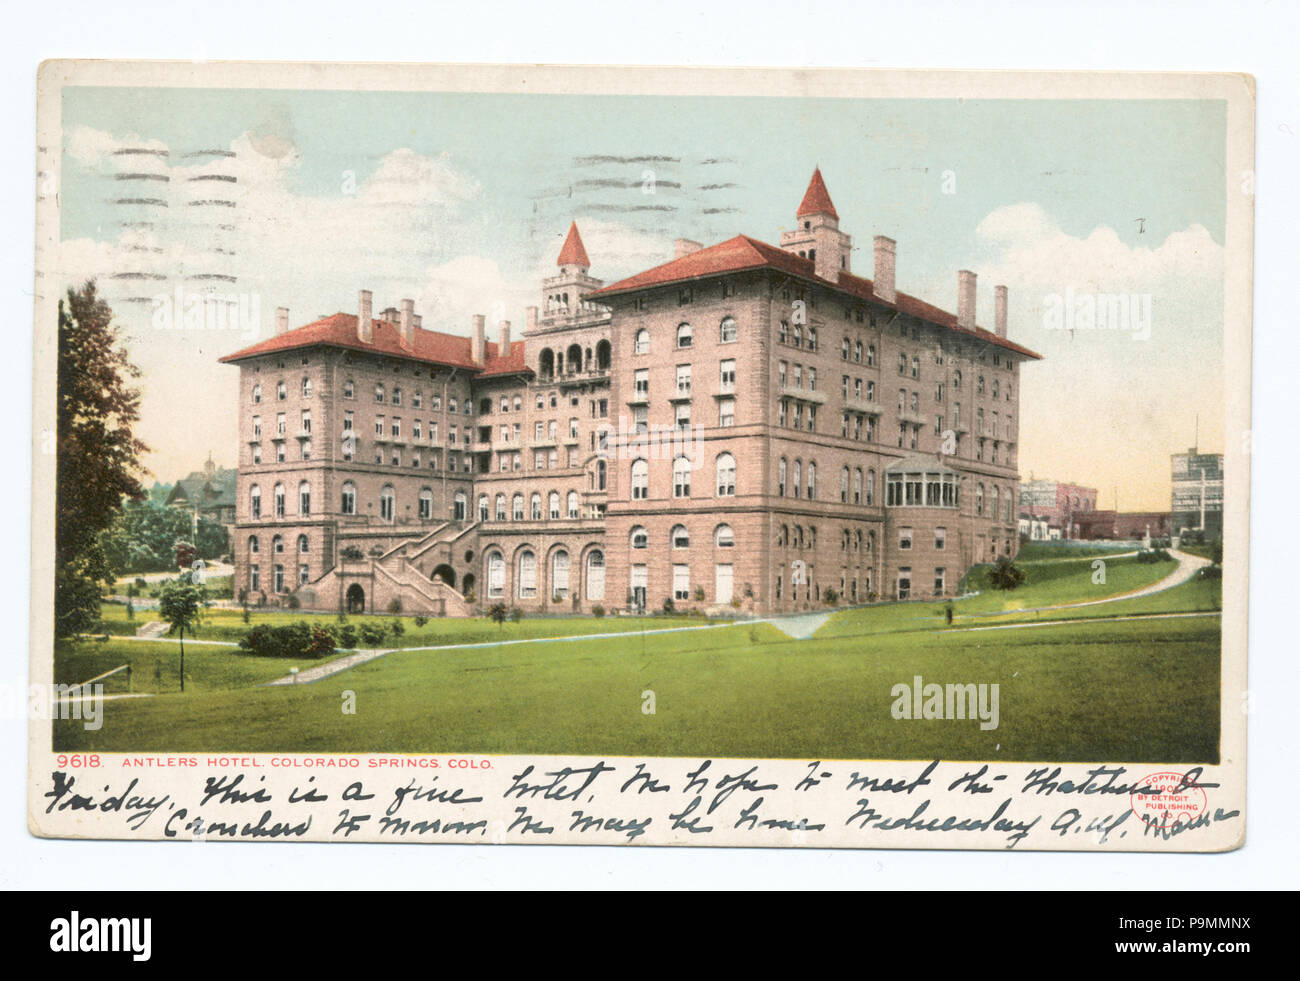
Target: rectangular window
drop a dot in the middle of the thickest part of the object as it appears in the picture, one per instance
(939, 588)
(940, 538)
(727, 375)
(683, 379)
(904, 538)
(726, 412)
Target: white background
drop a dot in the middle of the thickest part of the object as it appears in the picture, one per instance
(1253, 37)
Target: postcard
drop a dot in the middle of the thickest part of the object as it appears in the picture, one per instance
(528, 454)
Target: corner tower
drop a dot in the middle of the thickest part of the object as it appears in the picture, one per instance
(817, 234)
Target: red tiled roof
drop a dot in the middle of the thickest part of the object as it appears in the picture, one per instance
(511, 364)
(340, 330)
(816, 200)
(573, 254)
(743, 253)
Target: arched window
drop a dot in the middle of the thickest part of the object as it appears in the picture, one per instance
(684, 335)
(517, 507)
(871, 355)
(560, 574)
(306, 388)
(642, 343)
(255, 501)
(993, 502)
(812, 480)
(729, 330)
(348, 501)
(553, 505)
(257, 394)
(277, 497)
(303, 546)
(595, 575)
(640, 480)
(956, 378)
(681, 477)
(572, 505)
(426, 503)
(501, 507)
(726, 475)
(601, 470)
(602, 355)
(281, 391)
(781, 475)
(679, 537)
(723, 537)
(535, 507)
(857, 485)
(459, 506)
(638, 538)
(796, 478)
(277, 545)
(979, 498)
(304, 498)
(527, 582)
(387, 503)
(496, 575)
(844, 485)
(871, 487)
(253, 545)
(484, 512)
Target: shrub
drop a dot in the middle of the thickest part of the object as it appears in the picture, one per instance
(398, 628)
(322, 642)
(291, 640)
(469, 596)
(293, 602)
(830, 597)
(669, 606)
(373, 634)
(1211, 572)
(699, 594)
(395, 605)
(347, 635)
(498, 613)
(1005, 575)
(140, 584)
(1153, 555)
(420, 621)
(351, 553)
(597, 611)
(516, 614)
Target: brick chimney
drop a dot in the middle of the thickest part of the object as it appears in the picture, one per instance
(1000, 310)
(530, 319)
(407, 322)
(503, 338)
(281, 319)
(685, 246)
(882, 283)
(365, 320)
(966, 299)
(478, 345)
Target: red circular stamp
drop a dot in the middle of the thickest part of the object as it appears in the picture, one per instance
(1166, 800)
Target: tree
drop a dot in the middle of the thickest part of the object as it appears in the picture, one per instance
(97, 454)
(1005, 575)
(180, 604)
(498, 613)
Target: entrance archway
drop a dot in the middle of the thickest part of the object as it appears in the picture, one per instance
(467, 585)
(446, 573)
(356, 599)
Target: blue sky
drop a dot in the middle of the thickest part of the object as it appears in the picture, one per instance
(462, 200)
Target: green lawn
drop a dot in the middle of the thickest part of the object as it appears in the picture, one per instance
(1095, 690)
(155, 667)
(1038, 551)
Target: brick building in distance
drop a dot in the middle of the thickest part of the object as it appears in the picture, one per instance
(745, 426)
(1062, 504)
(1196, 501)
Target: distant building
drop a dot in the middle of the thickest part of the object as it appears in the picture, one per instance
(1033, 528)
(210, 492)
(1197, 500)
(1058, 502)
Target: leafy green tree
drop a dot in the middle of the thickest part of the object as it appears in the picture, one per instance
(498, 613)
(180, 604)
(97, 454)
(1005, 574)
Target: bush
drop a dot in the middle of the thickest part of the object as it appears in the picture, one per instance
(597, 611)
(669, 606)
(322, 642)
(373, 634)
(293, 602)
(351, 553)
(1211, 572)
(421, 621)
(498, 613)
(699, 594)
(395, 605)
(1005, 575)
(398, 628)
(347, 635)
(1152, 555)
(292, 640)
(516, 614)
(830, 597)
(140, 584)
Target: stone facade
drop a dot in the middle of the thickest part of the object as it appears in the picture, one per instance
(744, 428)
